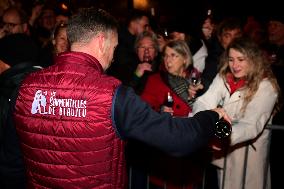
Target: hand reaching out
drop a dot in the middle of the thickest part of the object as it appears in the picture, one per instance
(222, 114)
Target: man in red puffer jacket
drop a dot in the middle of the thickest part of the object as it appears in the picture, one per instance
(72, 119)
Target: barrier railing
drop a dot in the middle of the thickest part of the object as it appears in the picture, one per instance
(271, 127)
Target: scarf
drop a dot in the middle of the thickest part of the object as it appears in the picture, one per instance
(233, 84)
(179, 85)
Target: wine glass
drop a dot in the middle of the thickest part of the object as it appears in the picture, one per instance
(194, 78)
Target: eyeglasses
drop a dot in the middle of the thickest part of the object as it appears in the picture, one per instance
(142, 48)
(9, 24)
(171, 56)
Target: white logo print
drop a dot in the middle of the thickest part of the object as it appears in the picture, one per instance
(39, 103)
(68, 107)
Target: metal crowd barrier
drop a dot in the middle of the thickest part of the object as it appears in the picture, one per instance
(271, 127)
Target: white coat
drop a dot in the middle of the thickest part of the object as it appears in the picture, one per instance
(247, 131)
(199, 58)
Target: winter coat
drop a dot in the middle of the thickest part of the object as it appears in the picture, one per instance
(177, 173)
(66, 116)
(11, 161)
(155, 94)
(248, 133)
(72, 119)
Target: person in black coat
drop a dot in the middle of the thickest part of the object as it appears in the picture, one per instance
(125, 58)
(18, 54)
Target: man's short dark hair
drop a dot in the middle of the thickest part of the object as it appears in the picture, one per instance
(88, 23)
(228, 24)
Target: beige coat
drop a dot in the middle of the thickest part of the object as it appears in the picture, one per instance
(247, 131)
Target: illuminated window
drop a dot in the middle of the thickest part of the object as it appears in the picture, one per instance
(140, 4)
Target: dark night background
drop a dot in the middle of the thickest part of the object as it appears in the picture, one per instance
(170, 9)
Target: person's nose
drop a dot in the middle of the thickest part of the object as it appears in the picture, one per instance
(235, 64)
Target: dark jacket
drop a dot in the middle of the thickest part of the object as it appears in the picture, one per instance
(11, 163)
(138, 83)
(215, 51)
(77, 149)
(125, 57)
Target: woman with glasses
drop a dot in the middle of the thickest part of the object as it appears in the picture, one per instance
(171, 79)
(170, 82)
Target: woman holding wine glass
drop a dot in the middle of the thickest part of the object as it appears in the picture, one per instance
(194, 80)
(171, 79)
(247, 89)
(167, 91)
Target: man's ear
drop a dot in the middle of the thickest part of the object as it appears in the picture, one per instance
(102, 43)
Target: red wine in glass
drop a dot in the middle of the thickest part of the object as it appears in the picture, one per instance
(194, 78)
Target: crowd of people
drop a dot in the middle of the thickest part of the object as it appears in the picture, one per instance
(85, 98)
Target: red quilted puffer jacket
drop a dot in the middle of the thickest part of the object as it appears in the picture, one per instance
(63, 118)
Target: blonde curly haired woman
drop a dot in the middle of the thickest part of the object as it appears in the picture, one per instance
(248, 91)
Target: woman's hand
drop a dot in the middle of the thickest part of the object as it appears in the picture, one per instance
(222, 114)
(167, 109)
(193, 89)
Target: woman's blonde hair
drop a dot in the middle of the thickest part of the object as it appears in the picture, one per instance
(181, 48)
(259, 68)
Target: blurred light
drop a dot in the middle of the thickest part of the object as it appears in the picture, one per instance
(209, 12)
(153, 11)
(64, 6)
(140, 4)
(166, 33)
